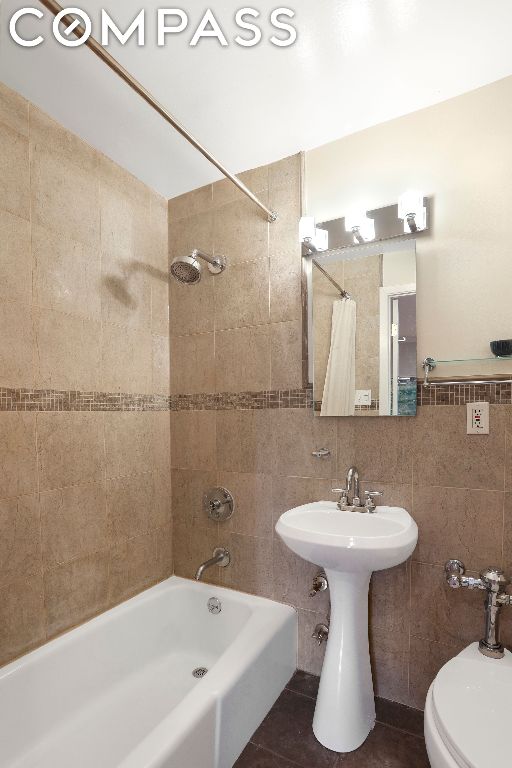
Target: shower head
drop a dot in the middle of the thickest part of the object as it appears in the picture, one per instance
(187, 269)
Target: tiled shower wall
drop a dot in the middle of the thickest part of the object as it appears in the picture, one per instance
(241, 331)
(84, 496)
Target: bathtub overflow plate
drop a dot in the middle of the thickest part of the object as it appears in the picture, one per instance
(199, 672)
(214, 605)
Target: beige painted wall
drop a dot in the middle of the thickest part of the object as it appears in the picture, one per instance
(85, 518)
(460, 153)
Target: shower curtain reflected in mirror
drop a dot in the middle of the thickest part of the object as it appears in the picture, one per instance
(340, 381)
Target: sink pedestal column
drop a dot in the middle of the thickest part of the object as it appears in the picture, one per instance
(345, 707)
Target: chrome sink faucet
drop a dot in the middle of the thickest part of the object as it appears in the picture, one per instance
(352, 486)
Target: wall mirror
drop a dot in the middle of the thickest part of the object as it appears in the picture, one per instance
(362, 329)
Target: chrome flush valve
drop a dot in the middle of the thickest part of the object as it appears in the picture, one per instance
(493, 581)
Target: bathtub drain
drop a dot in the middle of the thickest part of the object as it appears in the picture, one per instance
(199, 672)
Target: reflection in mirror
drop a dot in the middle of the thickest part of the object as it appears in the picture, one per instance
(364, 330)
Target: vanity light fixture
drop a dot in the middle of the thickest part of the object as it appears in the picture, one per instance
(412, 210)
(362, 227)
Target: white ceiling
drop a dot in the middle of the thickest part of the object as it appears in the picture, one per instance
(356, 63)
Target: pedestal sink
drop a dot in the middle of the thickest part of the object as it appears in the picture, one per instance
(349, 545)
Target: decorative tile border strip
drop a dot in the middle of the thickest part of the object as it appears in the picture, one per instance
(244, 401)
(498, 393)
(69, 400)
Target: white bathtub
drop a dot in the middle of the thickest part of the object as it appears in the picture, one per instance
(119, 690)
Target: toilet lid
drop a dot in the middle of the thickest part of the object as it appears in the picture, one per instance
(472, 703)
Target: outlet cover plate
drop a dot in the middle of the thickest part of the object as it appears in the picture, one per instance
(478, 418)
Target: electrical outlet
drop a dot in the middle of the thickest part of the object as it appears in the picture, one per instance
(478, 418)
(363, 397)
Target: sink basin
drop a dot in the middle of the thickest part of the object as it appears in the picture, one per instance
(349, 540)
(349, 545)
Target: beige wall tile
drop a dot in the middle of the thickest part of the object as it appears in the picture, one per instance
(242, 359)
(224, 191)
(129, 443)
(70, 449)
(132, 567)
(125, 291)
(241, 232)
(286, 355)
(290, 492)
(68, 351)
(384, 449)
(443, 614)
(191, 306)
(242, 296)
(129, 501)
(188, 489)
(193, 363)
(389, 600)
(22, 624)
(66, 274)
(46, 133)
(14, 172)
(285, 291)
(75, 591)
(293, 579)
(20, 539)
(458, 523)
(126, 359)
(457, 459)
(160, 292)
(507, 534)
(194, 544)
(164, 563)
(160, 510)
(284, 246)
(193, 440)
(426, 659)
(13, 110)
(392, 495)
(73, 523)
(160, 425)
(72, 208)
(251, 566)
(15, 258)
(389, 653)
(199, 201)
(310, 654)
(298, 434)
(160, 355)
(253, 503)
(187, 234)
(16, 345)
(18, 457)
(285, 173)
(246, 441)
(159, 232)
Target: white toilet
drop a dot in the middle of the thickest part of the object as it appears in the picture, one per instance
(468, 713)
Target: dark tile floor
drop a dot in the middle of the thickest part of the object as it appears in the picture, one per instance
(285, 738)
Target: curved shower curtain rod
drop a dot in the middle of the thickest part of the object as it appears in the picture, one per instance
(134, 84)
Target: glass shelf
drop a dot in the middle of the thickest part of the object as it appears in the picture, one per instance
(475, 359)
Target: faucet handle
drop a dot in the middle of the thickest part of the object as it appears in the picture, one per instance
(343, 500)
(370, 496)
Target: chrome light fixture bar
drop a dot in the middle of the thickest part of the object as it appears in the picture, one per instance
(134, 84)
